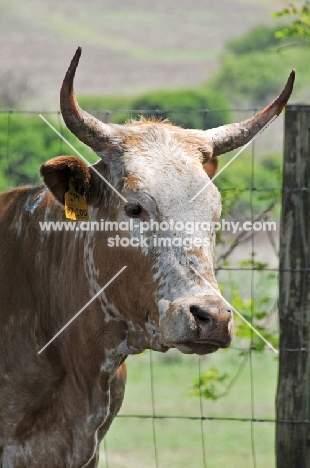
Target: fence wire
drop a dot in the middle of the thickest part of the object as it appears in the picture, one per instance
(208, 457)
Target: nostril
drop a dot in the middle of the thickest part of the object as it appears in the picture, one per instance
(199, 313)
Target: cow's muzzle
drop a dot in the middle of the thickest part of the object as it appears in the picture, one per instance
(197, 325)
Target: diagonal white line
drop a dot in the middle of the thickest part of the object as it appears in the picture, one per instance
(232, 159)
(237, 312)
(82, 157)
(83, 308)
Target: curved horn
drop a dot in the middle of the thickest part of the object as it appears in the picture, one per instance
(232, 136)
(84, 126)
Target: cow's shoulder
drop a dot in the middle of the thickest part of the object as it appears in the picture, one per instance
(26, 199)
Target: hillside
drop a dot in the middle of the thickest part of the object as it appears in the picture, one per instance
(128, 47)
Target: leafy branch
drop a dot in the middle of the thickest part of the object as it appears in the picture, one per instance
(245, 235)
(260, 310)
(210, 385)
(300, 26)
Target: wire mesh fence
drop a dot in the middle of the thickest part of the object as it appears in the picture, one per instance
(163, 421)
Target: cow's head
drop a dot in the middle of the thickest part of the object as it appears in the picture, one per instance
(172, 295)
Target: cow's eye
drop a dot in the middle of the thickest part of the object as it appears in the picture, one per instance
(133, 210)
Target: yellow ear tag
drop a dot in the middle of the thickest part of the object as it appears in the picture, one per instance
(76, 207)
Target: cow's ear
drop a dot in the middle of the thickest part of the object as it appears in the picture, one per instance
(57, 173)
(211, 166)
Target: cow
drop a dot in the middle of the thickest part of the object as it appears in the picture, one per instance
(56, 405)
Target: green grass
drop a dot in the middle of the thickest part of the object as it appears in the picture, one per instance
(179, 441)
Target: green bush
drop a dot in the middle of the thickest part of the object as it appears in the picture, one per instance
(115, 109)
(255, 67)
(255, 78)
(185, 107)
(256, 40)
(190, 108)
(26, 142)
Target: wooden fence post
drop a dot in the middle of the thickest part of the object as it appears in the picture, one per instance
(293, 394)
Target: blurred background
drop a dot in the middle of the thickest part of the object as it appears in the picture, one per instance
(201, 64)
(130, 48)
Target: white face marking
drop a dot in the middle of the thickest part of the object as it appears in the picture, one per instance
(162, 172)
(169, 173)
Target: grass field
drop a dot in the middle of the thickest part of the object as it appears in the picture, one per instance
(179, 441)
